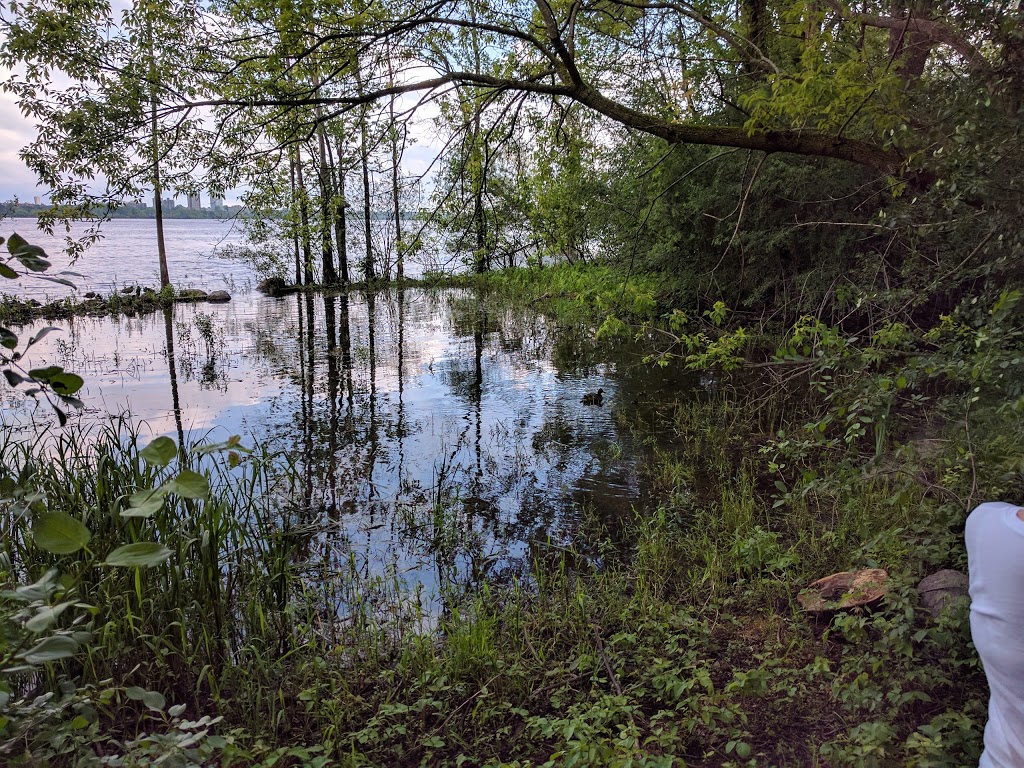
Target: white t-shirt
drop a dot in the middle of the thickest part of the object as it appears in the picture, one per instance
(995, 556)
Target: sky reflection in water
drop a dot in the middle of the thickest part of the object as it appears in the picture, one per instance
(439, 436)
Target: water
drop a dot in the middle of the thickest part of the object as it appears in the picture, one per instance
(126, 255)
(439, 435)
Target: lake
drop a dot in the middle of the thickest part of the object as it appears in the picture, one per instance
(439, 434)
(126, 255)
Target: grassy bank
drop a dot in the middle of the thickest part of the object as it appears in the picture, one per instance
(685, 646)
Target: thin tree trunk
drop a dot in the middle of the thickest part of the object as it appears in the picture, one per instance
(158, 203)
(295, 229)
(340, 225)
(329, 275)
(395, 163)
(307, 250)
(365, 159)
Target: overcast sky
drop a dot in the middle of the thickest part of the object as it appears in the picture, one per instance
(16, 131)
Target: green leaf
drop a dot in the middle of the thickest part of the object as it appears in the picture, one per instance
(7, 272)
(154, 701)
(140, 555)
(45, 374)
(145, 509)
(43, 333)
(50, 649)
(191, 485)
(160, 452)
(46, 617)
(13, 378)
(8, 339)
(65, 384)
(40, 590)
(141, 497)
(59, 533)
(52, 279)
(151, 698)
(31, 256)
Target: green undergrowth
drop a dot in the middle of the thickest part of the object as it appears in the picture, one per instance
(582, 289)
(689, 648)
(684, 643)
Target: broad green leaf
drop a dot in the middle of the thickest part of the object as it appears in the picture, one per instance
(191, 485)
(46, 617)
(50, 649)
(66, 383)
(154, 701)
(151, 699)
(45, 374)
(140, 555)
(40, 590)
(8, 339)
(31, 256)
(141, 497)
(6, 271)
(145, 509)
(13, 378)
(59, 533)
(160, 452)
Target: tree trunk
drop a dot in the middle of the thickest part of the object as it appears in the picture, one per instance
(364, 153)
(295, 227)
(395, 171)
(330, 277)
(158, 206)
(307, 250)
(340, 206)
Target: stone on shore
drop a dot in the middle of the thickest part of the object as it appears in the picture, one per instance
(941, 588)
(218, 297)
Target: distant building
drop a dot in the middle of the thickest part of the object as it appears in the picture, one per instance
(37, 200)
(216, 203)
(167, 203)
(195, 202)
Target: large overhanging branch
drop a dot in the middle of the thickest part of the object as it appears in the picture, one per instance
(806, 143)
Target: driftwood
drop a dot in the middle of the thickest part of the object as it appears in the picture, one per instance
(844, 591)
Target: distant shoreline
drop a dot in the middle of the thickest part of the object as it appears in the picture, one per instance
(13, 210)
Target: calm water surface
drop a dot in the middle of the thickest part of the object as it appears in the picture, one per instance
(126, 255)
(439, 435)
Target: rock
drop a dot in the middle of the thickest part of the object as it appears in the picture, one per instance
(844, 590)
(92, 295)
(191, 294)
(941, 588)
(128, 289)
(218, 297)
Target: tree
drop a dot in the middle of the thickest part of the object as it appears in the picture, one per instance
(121, 74)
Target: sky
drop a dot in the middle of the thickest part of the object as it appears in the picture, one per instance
(16, 131)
